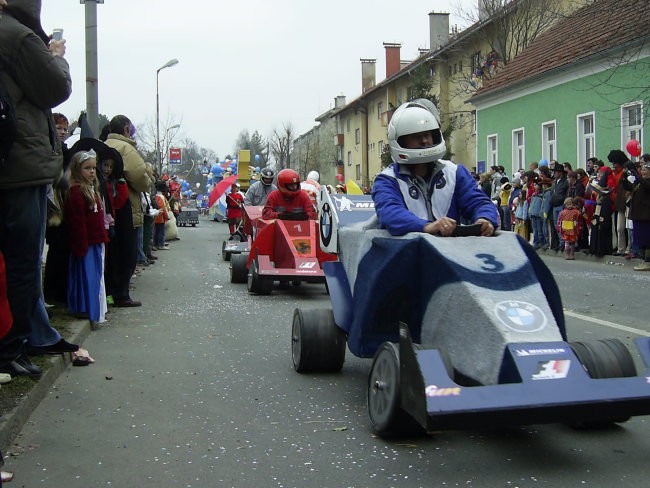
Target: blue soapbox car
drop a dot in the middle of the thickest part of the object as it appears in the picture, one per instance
(464, 331)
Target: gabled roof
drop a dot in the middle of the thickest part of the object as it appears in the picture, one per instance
(596, 28)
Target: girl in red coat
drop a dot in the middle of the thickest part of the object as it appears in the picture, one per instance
(84, 218)
(568, 226)
(234, 202)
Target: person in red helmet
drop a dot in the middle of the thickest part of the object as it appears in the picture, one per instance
(288, 201)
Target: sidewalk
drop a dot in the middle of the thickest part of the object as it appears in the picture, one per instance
(11, 422)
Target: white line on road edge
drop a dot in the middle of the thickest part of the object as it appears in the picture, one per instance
(607, 323)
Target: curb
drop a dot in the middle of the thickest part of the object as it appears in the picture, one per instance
(12, 422)
(605, 260)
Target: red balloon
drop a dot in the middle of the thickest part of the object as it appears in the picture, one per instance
(633, 148)
(339, 177)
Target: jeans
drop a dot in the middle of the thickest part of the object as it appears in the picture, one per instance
(506, 214)
(139, 232)
(556, 214)
(539, 239)
(22, 233)
(159, 235)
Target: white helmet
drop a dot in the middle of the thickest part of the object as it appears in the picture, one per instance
(410, 118)
(314, 176)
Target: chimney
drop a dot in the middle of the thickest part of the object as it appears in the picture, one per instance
(368, 74)
(339, 101)
(422, 51)
(392, 58)
(438, 30)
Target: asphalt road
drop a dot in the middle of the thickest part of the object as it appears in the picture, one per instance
(196, 389)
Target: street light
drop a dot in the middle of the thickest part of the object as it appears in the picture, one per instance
(168, 64)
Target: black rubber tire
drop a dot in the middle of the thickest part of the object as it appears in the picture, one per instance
(384, 395)
(317, 343)
(256, 285)
(606, 358)
(238, 271)
(193, 225)
(224, 254)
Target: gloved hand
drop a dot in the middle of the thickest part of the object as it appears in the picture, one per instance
(631, 178)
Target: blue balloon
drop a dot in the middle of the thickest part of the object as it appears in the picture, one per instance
(257, 157)
(543, 162)
(257, 169)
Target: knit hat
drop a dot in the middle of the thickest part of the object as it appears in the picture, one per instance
(616, 156)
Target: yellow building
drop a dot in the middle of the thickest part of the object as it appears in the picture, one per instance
(455, 65)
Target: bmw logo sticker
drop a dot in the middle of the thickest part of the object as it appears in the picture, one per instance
(413, 193)
(326, 224)
(520, 316)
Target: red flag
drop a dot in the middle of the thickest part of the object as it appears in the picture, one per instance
(220, 188)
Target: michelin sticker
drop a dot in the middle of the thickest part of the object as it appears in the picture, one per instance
(345, 204)
(520, 316)
(540, 352)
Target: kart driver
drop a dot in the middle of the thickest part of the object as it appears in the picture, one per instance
(288, 201)
(234, 201)
(260, 190)
(419, 192)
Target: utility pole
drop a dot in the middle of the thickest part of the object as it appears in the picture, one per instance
(92, 91)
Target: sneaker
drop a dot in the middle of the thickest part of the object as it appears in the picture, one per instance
(164, 248)
(4, 378)
(21, 366)
(644, 266)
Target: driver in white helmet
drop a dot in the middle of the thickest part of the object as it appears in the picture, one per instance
(419, 191)
(312, 186)
(259, 191)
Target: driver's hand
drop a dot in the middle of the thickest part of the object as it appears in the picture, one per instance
(487, 229)
(443, 226)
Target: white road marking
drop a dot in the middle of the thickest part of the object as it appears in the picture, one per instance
(607, 323)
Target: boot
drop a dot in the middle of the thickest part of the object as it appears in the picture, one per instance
(572, 252)
(644, 266)
(567, 252)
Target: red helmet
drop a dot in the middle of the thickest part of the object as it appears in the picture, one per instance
(288, 182)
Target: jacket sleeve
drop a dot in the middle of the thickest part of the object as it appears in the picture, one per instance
(269, 212)
(43, 77)
(75, 222)
(135, 170)
(392, 212)
(473, 204)
(122, 195)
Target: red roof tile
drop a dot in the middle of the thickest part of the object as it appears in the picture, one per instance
(596, 28)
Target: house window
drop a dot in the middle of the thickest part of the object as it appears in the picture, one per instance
(357, 172)
(357, 136)
(348, 125)
(380, 147)
(518, 149)
(349, 158)
(473, 122)
(632, 123)
(586, 138)
(549, 142)
(380, 109)
(492, 150)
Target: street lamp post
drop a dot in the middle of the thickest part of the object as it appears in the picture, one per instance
(168, 64)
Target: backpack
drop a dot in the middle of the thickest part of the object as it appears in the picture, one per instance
(8, 128)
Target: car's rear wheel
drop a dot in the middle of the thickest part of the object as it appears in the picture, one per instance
(238, 271)
(606, 358)
(317, 343)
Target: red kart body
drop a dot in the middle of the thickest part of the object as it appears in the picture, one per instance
(288, 249)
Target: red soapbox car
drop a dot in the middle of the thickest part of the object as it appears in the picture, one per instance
(281, 250)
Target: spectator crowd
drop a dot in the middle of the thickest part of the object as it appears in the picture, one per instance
(601, 210)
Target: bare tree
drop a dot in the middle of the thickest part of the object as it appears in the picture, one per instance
(281, 143)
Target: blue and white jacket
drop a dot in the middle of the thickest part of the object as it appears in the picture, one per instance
(402, 206)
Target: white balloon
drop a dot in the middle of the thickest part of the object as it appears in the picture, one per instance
(198, 185)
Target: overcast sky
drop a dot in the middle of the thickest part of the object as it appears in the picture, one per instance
(243, 64)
